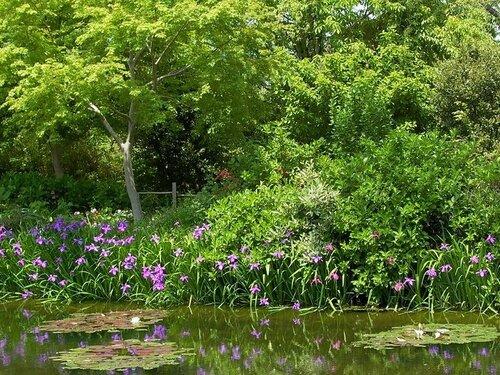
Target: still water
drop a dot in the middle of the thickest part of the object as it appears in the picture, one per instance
(249, 342)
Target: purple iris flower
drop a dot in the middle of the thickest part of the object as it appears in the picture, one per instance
(122, 226)
(254, 289)
(129, 262)
(80, 261)
(184, 279)
(254, 266)
(431, 273)
(125, 288)
(52, 278)
(113, 270)
(264, 301)
(474, 259)
(483, 272)
(446, 268)
(26, 294)
(178, 252)
(296, 306)
(490, 239)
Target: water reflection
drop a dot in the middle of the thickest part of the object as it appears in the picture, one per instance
(240, 341)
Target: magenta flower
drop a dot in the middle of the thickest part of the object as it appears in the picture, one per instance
(63, 248)
(296, 306)
(474, 259)
(184, 279)
(63, 283)
(104, 253)
(264, 301)
(446, 268)
(80, 261)
(431, 273)
(125, 288)
(398, 286)
(296, 321)
(232, 258)
(490, 239)
(33, 276)
(113, 270)
(265, 322)
(129, 262)
(2, 253)
(489, 257)
(254, 289)
(219, 265)
(254, 266)
(20, 262)
(483, 272)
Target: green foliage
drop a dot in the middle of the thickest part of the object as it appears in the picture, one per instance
(32, 190)
(468, 93)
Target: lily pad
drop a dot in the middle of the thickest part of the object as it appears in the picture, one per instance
(428, 334)
(120, 355)
(110, 321)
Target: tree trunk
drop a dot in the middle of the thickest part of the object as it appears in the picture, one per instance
(129, 182)
(55, 152)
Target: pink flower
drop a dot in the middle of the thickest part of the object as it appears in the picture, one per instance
(316, 281)
(334, 276)
(409, 281)
(184, 279)
(296, 306)
(329, 247)
(474, 259)
(398, 286)
(489, 257)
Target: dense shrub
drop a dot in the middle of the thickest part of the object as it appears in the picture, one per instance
(24, 189)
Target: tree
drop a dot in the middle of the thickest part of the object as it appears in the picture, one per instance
(130, 63)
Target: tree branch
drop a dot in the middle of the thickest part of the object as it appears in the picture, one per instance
(173, 73)
(105, 122)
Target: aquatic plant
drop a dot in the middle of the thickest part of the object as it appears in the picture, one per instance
(428, 334)
(109, 321)
(121, 355)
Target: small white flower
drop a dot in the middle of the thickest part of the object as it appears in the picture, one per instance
(135, 320)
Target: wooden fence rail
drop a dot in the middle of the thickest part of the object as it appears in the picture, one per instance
(173, 192)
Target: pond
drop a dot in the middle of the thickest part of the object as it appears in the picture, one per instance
(206, 340)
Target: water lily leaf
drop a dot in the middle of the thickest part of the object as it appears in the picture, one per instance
(429, 334)
(95, 322)
(120, 355)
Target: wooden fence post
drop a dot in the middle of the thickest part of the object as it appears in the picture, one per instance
(174, 194)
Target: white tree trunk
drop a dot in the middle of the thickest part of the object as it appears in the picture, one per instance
(129, 182)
